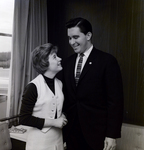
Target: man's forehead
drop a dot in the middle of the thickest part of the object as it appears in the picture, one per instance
(74, 31)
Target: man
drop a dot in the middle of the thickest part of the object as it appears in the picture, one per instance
(93, 93)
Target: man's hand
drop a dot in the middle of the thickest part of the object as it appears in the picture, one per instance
(109, 144)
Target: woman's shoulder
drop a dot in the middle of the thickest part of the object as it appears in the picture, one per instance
(30, 86)
(30, 90)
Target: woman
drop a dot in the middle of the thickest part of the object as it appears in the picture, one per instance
(43, 100)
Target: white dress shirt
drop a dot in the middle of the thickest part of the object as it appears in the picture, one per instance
(85, 57)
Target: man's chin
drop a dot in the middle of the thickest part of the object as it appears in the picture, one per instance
(76, 51)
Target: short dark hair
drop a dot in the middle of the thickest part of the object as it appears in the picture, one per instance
(84, 25)
(40, 57)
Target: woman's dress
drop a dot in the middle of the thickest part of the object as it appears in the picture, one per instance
(42, 101)
(51, 140)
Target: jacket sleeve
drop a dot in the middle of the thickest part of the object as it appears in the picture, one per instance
(114, 89)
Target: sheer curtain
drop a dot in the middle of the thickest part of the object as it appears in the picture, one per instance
(30, 30)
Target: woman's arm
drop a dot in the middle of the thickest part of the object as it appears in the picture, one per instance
(58, 123)
(29, 99)
(28, 102)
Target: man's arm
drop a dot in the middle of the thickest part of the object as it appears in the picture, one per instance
(114, 90)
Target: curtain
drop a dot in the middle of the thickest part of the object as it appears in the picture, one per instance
(30, 29)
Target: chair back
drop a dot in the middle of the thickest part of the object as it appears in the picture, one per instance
(5, 141)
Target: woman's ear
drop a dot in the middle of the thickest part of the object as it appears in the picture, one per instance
(89, 35)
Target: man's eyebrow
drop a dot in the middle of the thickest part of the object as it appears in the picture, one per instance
(74, 36)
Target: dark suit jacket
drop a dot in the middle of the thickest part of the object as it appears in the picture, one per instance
(97, 99)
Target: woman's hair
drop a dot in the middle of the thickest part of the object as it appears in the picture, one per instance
(40, 57)
(84, 25)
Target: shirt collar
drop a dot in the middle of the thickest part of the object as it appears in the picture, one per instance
(86, 53)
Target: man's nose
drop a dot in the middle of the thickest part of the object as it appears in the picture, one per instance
(71, 42)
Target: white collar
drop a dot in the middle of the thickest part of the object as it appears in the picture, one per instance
(87, 52)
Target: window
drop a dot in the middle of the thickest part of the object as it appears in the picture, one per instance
(6, 26)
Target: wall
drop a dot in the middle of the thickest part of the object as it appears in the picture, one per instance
(118, 28)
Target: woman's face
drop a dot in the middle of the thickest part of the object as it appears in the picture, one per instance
(54, 63)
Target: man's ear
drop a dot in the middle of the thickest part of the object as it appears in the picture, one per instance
(89, 35)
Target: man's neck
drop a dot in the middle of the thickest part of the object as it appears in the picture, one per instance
(89, 46)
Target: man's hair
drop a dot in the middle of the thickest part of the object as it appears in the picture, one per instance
(40, 57)
(84, 25)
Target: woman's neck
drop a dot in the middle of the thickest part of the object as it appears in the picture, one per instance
(49, 75)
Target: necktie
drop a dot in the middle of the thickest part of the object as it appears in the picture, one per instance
(78, 70)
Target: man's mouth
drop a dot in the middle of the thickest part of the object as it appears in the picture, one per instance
(75, 47)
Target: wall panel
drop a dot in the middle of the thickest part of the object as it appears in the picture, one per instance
(118, 28)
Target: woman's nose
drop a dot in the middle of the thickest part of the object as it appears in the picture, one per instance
(59, 58)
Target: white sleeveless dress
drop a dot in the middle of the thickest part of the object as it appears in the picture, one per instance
(51, 140)
(46, 106)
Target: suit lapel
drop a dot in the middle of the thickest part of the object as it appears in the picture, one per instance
(72, 77)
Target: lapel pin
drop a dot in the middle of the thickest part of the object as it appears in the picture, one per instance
(90, 63)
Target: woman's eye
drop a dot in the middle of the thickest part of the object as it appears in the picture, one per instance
(54, 56)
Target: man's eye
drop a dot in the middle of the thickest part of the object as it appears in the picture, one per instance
(75, 37)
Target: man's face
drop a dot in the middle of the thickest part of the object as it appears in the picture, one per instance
(77, 40)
